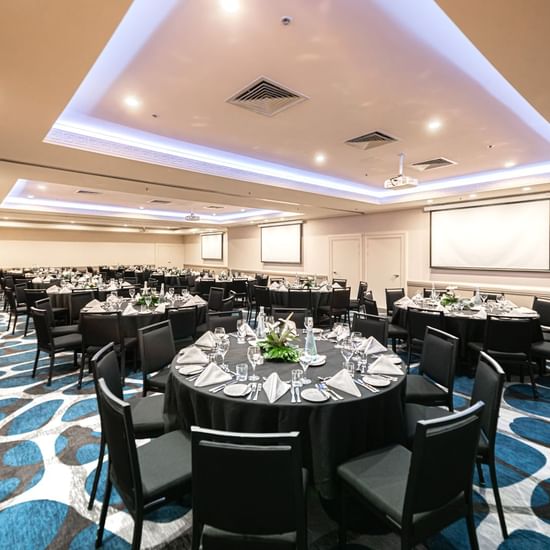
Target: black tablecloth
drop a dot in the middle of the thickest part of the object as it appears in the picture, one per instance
(332, 431)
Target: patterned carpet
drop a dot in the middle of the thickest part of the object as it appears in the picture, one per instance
(49, 442)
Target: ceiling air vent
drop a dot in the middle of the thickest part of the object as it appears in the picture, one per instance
(213, 207)
(370, 140)
(266, 97)
(87, 192)
(159, 201)
(432, 164)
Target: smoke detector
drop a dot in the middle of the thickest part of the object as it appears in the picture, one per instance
(400, 181)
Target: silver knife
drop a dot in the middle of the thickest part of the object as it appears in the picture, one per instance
(364, 385)
(249, 396)
(258, 390)
(325, 393)
(330, 391)
(293, 394)
(298, 398)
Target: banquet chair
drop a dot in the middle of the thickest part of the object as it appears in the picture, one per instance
(341, 282)
(98, 329)
(226, 319)
(272, 515)
(131, 280)
(77, 300)
(542, 307)
(202, 288)
(228, 303)
(147, 412)
(392, 295)
(215, 298)
(263, 299)
(157, 349)
(427, 292)
(184, 325)
(239, 291)
(371, 325)
(433, 385)
(299, 298)
(57, 330)
(488, 385)
(417, 321)
(50, 344)
(370, 306)
(15, 309)
(418, 493)
(146, 476)
(508, 340)
(339, 305)
(32, 295)
(395, 330)
(356, 304)
(298, 314)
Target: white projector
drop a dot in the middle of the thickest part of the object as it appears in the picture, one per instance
(400, 182)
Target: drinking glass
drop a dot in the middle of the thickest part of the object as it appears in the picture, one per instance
(222, 348)
(305, 361)
(296, 378)
(147, 300)
(219, 333)
(270, 320)
(242, 372)
(241, 331)
(308, 322)
(132, 293)
(253, 354)
(347, 352)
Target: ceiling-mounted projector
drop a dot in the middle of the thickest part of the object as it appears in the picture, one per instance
(192, 217)
(400, 181)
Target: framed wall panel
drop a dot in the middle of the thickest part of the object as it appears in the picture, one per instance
(281, 243)
(212, 246)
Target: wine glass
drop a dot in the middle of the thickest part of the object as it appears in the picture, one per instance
(308, 322)
(222, 347)
(305, 360)
(347, 353)
(219, 333)
(147, 300)
(131, 293)
(253, 354)
(356, 340)
(241, 331)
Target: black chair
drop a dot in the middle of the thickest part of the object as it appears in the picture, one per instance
(239, 291)
(370, 306)
(226, 319)
(225, 516)
(298, 314)
(339, 305)
(32, 295)
(263, 299)
(15, 309)
(417, 321)
(215, 298)
(157, 349)
(202, 288)
(371, 325)
(392, 295)
(184, 324)
(419, 493)
(57, 330)
(434, 383)
(341, 282)
(228, 303)
(508, 340)
(299, 298)
(427, 292)
(488, 385)
(358, 303)
(147, 412)
(542, 307)
(46, 342)
(98, 329)
(78, 299)
(144, 477)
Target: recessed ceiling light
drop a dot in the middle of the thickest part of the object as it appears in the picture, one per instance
(509, 164)
(230, 6)
(429, 201)
(243, 209)
(526, 189)
(72, 221)
(30, 196)
(125, 225)
(434, 124)
(141, 207)
(132, 101)
(42, 187)
(473, 195)
(320, 158)
(214, 214)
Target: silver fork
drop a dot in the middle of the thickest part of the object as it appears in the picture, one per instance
(258, 390)
(252, 391)
(325, 393)
(365, 385)
(293, 394)
(330, 391)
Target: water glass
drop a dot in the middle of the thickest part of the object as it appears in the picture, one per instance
(219, 333)
(242, 372)
(132, 293)
(253, 354)
(347, 352)
(308, 322)
(241, 331)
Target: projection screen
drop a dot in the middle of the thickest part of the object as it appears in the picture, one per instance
(282, 243)
(212, 246)
(513, 236)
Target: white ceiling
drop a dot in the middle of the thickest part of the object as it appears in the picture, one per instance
(364, 66)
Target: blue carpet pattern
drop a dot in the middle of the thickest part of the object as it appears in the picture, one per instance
(49, 440)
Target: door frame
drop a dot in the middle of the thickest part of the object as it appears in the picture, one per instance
(344, 237)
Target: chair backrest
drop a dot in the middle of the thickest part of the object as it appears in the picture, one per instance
(442, 461)
(10, 297)
(361, 289)
(156, 346)
(32, 295)
(42, 328)
(418, 319)
(263, 298)
(105, 365)
(439, 356)
(98, 329)
(341, 282)
(393, 294)
(508, 334)
(488, 385)
(228, 303)
(490, 296)
(299, 298)
(226, 319)
(78, 299)
(427, 293)
(116, 423)
(298, 314)
(370, 307)
(46, 304)
(215, 298)
(183, 322)
(203, 287)
(239, 285)
(371, 325)
(340, 298)
(542, 307)
(272, 463)
(20, 293)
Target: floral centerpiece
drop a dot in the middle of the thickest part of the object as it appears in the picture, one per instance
(309, 282)
(279, 335)
(154, 300)
(449, 298)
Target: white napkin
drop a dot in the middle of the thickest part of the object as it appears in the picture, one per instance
(95, 309)
(207, 340)
(112, 287)
(37, 280)
(54, 289)
(372, 345)
(161, 308)
(248, 330)
(192, 355)
(65, 290)
(130, 310)
(212, 374)
(274, 387)
(404, 302)
(283, 287)
(342, 380)
(523, 311)
(481, 314)
(274, 286)
(384, 366)
(93, 303)
(336, 285)
(126, 283)
(196, 300)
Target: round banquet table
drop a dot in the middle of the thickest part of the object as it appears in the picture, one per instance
(332, 431)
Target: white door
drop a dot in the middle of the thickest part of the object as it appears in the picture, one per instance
(346, 259)
(385, 264)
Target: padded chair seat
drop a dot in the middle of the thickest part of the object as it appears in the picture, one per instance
(396, 331)
(158, 381)
(164, 462)
(498, 355)
(63, 330)
(147, 415)
(381, 478)
(130, 342)
(541, 349)
(68, 341)
(420, 390)
(217, 539)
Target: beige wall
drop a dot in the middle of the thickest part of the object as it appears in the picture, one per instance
(28, 247)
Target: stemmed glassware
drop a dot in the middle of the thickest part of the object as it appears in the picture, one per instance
(305, 361)
(254, 354)
(147, 300)
(308, 323)
(219, 333)
(347, 352)
(131, 293)
(241, 331)
(222, 347)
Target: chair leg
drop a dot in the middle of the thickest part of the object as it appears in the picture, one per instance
(480, 474)
(470, 523)
(123, 366)
(494, 483)
(9, 323)
(97, 471)
(342, 520)
(14, 323)
(138, 527)
(26, 325)
(35, 362)
(530, 367)
(81, 373)
(103, 515)
(50, 373)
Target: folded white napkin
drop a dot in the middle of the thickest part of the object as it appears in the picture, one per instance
(161, 308)
(130, 310)
(274, 286)
(523, 311)
(196, 300)
(207, 340)
(404, 302)
(192, 355)
(248, 330)
(66, 290)
(481, 314)
(93, 303)
(112, 287)
(37, 280)
(274, 387)
(384, 366)
(283, 287)
(342, 380)
(126, 283)
(54, 289)
(336, 285)
(212, 374)
(47, 279)
(372, 345)
(95, 309)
